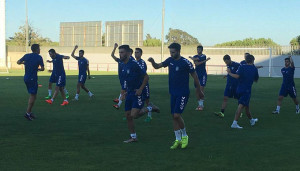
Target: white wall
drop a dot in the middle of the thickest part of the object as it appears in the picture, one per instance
(2, 34)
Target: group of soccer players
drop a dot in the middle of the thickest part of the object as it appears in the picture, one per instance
(134, 82)
(34, 62)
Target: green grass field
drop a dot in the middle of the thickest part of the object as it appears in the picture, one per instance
(89, 134)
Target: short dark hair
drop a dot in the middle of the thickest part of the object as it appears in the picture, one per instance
(82, 51)
(51, 50)
(126, 47)
(200, 47)
(226, 57)
(250, 58)
(35, 47)
(130, 50)
(287, 59)
(175, 46)
(139, 49)
(247, 53)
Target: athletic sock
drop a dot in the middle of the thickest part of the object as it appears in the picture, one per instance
(200, 102)
(234, 122)
(149, 109)
(90, 93)
(120, 96)
(49, 92)
(149, 114)
(183, 131)
(76, 96)
(52, 99)
(178, 135)
(297, 106)
(66, 91)
(133, 135)
(278, 108)
(120, 102)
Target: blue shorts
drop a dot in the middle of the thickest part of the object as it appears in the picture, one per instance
(61, 81)
(32, 86)
(123, 84)
(230, 91)
(202, 79)
(146, 92)
(178, 103)
(244, 98)
(288, 90)
(52, 78)
(133, 101)
(82, 78)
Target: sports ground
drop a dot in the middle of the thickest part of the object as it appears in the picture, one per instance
(88, 134)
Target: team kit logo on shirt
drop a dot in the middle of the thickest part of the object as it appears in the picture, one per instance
(177, 68)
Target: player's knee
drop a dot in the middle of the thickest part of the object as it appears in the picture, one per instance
(176, 116)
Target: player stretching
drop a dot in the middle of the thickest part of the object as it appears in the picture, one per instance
(200, 63)
(53, 80)
(243, 62)
(32, 61)
(121, 78)
(83, 65)
(146, 92)
(231, 85)
(179, 70)
(136, 80)
(246, 75)
(288, 85)
(60, 76)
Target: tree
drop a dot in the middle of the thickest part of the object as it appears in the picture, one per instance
(151, 41)
(19, 39)
(103, 39)
(295, 41)
(181, 37)
(260, 42)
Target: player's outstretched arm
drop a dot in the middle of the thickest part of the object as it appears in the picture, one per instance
(292, 62)
(66, 57)
(72, 54)
(201, 62)
(21, 61)
(154, 64)
(49, 61)
(193, 58)
(113, 52)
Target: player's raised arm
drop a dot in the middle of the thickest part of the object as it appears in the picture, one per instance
(292, 62)
(154, 64)
(72, 54)
(113, 52)
(201, 62)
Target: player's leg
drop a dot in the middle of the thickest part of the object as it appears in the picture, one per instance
(200, 95)
(223, 107)
(248, 113)
(130, 114)
(49, 90)
(237, 116)
(283, 92)
(63, 95)
(179, 104)
(297, 105)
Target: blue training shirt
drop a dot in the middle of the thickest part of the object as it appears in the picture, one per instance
(133, 75)
(31, 61)
(179, 71)
(142, 64)
(82, 64)
(58, 65)
(288, 76)
(243, 62)
(234, 66)
(248, 74)
(200, 69)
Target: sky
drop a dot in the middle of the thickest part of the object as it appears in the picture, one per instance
(210, 21)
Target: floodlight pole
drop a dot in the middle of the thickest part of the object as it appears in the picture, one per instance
(270, 62)
(26, 27)
(162, 31)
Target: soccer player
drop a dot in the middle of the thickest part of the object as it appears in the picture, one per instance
(288, 85)
(246, 75)
(243, 62)
(52, 80)
(136, 80)
(60, 76)
(32, 61)
(231, 85)
(121, 78)
(179, 70)
(200, 64)
(83, 64)
(146, 92)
